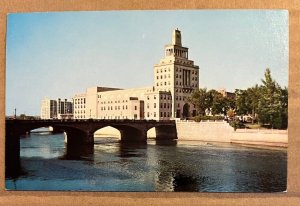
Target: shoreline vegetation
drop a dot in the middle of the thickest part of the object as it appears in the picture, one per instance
(264, 106)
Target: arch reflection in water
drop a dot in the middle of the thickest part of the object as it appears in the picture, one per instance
(79, 152)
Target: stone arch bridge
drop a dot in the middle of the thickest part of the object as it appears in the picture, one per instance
(82, 131)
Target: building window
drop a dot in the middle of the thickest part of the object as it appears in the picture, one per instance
(135, 107)
(148, 105)
(165, 83)
(148, 114)
(161, 114)
(161, 105)
(164, 105)
(154, 97)
(178, 105)
(165, 115)
(154, 105)
(154, 114)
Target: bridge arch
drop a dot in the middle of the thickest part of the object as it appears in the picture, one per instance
(151, 133)
(107, 131)
(128, 132)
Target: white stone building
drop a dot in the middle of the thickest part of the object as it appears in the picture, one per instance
(175, 78)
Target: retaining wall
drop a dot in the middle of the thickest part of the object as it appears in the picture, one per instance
(223, 132)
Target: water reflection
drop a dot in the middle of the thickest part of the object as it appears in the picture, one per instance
(127, 150)
(79, 152)
(111, 165)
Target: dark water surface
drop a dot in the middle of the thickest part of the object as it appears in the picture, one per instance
(48, 164)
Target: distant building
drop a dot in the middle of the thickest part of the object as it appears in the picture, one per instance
(56, 109)
(175, 78)
(229, 95)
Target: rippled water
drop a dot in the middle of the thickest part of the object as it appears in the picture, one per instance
(47, 164)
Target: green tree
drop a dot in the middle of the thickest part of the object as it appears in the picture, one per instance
(243, 105)
(200, 99)
(217, 103)
(272, 105)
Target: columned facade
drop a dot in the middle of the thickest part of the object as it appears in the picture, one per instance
(177, 74)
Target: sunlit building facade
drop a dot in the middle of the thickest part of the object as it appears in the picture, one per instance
(175, 78)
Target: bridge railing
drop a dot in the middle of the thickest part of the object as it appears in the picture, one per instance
(89, 120)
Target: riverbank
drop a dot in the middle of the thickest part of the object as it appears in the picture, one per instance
(223, 132)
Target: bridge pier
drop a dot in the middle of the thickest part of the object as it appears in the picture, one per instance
(79, 137)
(133, 135)
(166, 132)
(12, 154)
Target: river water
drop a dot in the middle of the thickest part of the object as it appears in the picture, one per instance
(48, 164)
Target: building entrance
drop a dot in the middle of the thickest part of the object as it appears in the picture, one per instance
(186, 110)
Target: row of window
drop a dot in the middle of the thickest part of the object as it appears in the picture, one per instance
(184, 90)
(179, 76)
(79, 106)
(184, 62)
(162, 114)
(80, 112)
(79, 117)
(165, 76)
(110, 102)
(79, 101)
(179, 98)
(165, 105)
(162, 70)
(192, 85)
(116, 108)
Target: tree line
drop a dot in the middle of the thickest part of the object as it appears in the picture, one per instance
(266, 104)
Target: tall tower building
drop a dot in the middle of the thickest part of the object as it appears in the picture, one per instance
(177, 74)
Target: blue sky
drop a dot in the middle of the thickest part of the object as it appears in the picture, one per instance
(61, 54)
